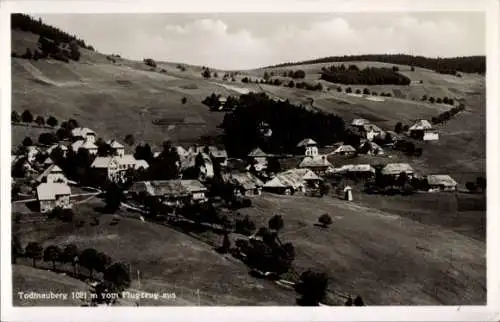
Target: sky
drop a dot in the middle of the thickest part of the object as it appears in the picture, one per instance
(252, 40)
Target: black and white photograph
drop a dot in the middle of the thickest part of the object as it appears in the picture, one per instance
(262, 159)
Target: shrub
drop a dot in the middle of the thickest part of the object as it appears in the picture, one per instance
(150, 62)
(312, 287)
(325, 220)
(245, 226)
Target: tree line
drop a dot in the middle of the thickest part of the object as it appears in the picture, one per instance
(27, 117)
(449, 65)
(352, 75)
(289, 124)
(25, 22)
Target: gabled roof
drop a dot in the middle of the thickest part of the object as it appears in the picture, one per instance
(48, 191)
(344, 148)
(396, 168)
(371, 127)
(257, 152)
(306, 142)
(275, 183)
(359, 122)
(441, 179)
(421, 125)
(217, 152)
(83, 144)
(104, 162)
(356, 168)
(115, 144)
(242, 179)
(372, 146)
(82, 132)
(315, 162)
(48, 161)
(169, 188)
(51, 169)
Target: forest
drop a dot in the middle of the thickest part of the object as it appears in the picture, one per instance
(352, 75)
(289, 124)
(449, 65)
(27, 23)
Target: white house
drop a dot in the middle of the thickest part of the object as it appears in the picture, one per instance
(440, 182)
(371, 131)
(423, 130)
(53, 174)
(394, 169)
(51, 195)
(344, 149)
(87, 145)
(259, 158)
(83, 133)
(118, 148)
(318, 164)
(359, 122)
(113, 167)
(370, 148)
(309, 147)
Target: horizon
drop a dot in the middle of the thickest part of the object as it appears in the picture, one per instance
(243, 41)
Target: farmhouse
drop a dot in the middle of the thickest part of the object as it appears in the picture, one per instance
(356, 170)
(370, 148)
(51, 195)
(293, 180)
(371, 131)
(83, 133)
(359, 122)
(243, 183)
(319, 164)
(218, 155)
(258, 158)
(53, 174)
(169, 192)
(117, 148)
(395, 169)
(32, 153)
(308, 147)
(86, 145)
(63, 148)
(423, 130)
(438, 182)
(113, 168)
(345, 150)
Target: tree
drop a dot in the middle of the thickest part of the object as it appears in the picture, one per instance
(339, 89)
(27, 141)
(406, 128)
(118, 275)
(14, 117)
(245, 226)
(312, 287)
(103, 149)
(16, 249)
(34, 251)
(52, 121)
(101, 262)
(402, 179)
(348, 90)
(276, 223)
(27, 117)
(88, 259)
(48, 138)
(226, 244)
(366, 91)
(129, 139)
(70, 254)
(299, 74)
(216, 75)
(184, 100)
(432, 100)
(481, 183)
(471, 186)
(398, 128)
(113, 197)
(395, 69)
(40, 121)
(418, 152)
(325, 220)
(358, 91)
(424, 98)
(439, 100)
(74, 51)
(358, 301)
(52, 254)
(412, 68)
(206, 73)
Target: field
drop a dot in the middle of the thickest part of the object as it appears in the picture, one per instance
(387, 258)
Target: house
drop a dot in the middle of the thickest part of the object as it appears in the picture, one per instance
(258, 158)
(169, 192)
(63, 148)
(203, 166)
(243, 183)
(21, 166)
(395, 169)
(53, 174)
(356, 170)
(423, 130)
(370, 148)
(308, 147)
(345, 149)
(51, 195)
(359, 122)
(83, 133)
(86, 145)
(113, 168)
(222, 102)
(117, 148)
(32, 152)
(319, 164)
(292, 181)
(371, 131)
(439, 182)
(218, 155)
